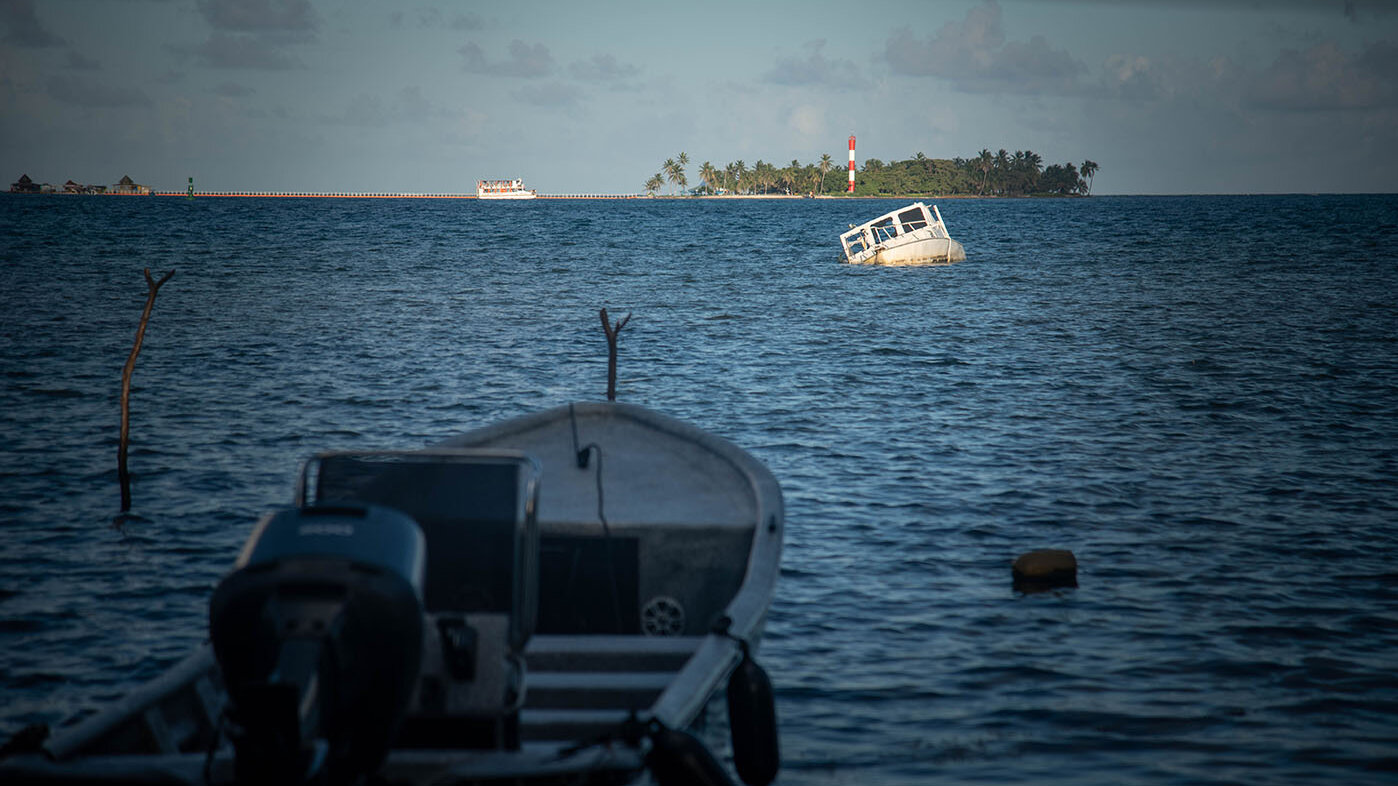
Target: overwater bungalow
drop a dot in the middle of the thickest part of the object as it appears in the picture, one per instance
(128, 186)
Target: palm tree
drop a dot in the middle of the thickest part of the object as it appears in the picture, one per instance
(654, 184)
(791, 175)
(1019, 177)
(709, 175)
(826, 164)
(763, 175)
(680, 163)
(1073, 179)
(1088, 169)
(671, 170)
(984, 163)
(740, 173)
(1002, 168)
(1033, 166)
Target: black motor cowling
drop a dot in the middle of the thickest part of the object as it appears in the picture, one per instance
(318, 632)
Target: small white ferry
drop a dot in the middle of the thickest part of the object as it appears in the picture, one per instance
(912, 235)
(504, 189)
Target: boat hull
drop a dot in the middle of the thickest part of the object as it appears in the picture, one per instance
(700, 522)
(924, 251)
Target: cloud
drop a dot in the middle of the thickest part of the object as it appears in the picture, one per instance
(467, 22)
(81, 62)
(241, 51)
(815, 69)
(1189, 81)
(1131, 76)
(254, 34)
(365, 110)
(808, 121)
(232, 90)
(974, 55)
(959, 47)
(23, 27)
(474, 59)
(85, 93)
(259, 16)
(1357, 12)
(1324, 77)
(555, 95)
(524, 61)
(411, 103)
(408, 105)
(603, 68)
(433, 18)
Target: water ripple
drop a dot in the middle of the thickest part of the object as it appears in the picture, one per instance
(1190, 395)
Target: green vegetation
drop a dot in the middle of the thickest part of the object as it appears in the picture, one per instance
(987, 174)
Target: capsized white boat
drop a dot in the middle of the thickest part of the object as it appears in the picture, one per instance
(552, 599)
(912, 235)
(504, 189)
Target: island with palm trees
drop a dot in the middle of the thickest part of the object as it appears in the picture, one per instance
(1006, 174)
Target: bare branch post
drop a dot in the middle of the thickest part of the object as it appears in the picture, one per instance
(153, 286)
(612, 331)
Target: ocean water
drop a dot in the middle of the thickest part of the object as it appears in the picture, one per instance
(1197, 395)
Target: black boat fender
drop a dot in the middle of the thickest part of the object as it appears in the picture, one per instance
(752, 719)
(752, 715)
(678, 758)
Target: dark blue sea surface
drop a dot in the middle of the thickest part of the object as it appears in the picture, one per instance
(1197, 395)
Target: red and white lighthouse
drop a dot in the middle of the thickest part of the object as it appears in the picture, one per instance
(851, 164)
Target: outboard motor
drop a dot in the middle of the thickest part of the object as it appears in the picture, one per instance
(318, 632)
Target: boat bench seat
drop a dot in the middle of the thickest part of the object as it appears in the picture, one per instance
(601, 653)
(584, 686)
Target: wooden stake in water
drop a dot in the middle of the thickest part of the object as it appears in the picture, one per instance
(612, 331)
(154, 287)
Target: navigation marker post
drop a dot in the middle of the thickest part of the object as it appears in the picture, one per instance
(851, 165)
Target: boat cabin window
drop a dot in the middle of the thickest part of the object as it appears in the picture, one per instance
(883, 230)
(912, 220)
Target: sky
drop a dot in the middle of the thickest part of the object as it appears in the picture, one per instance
(1167, 97)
